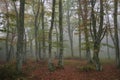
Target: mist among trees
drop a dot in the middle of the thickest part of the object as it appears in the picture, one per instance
(70, 38)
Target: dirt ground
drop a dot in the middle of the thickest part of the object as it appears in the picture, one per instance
(39, 71)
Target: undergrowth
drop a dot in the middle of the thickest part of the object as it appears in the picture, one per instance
(86, 68)
(9, 72)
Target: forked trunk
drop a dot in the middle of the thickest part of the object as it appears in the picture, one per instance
(96, 60)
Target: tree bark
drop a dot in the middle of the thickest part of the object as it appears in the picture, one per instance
(60, 62)
(20, 41)
(43, 32)
(79, 29)
(50, 64)
(116, 33)
(70, 33)
(97, 34)
(7, 36)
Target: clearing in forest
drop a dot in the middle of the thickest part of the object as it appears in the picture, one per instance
(73, 70)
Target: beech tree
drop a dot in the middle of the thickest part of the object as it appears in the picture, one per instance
(84, 15)
(116, 41)
(20, 32)
(60, 62)
(97, 33)
(50, 64)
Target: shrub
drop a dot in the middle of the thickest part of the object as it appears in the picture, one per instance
(86, 68)
(9, 72)
(52, 67)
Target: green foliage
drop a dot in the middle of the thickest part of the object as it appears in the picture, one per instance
(86, 68)
(84, 45)
(52, 67)
(3, 30)
(104, 44)
(9, 72)
(14, 0)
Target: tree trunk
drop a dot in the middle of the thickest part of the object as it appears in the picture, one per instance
(70, 33)
(57, 39)
(79, 29)
(11, 45)
(108, 52)
(40, 56)
(50, 64)
(116, 33)
(36, 14)
(25, 50)
(20, 41)
(97, 33)
(84, 15)
(60, 62)
(96, 56)
(7, 36)
(43, 32)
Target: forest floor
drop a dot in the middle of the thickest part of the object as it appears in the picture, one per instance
(71, 71)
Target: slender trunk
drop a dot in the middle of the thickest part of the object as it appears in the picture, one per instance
(108, 52)
(57, 39)
(79, 29)
(25, 50)
(108, 30)
(31, 47)
(116, 33)
(69, 29)
(84, 15)
(11, 45)
(36, 30)
(88, 54)
(43, 32)
(60, 62)
(50, 65)
(7, 36)
(40, 57)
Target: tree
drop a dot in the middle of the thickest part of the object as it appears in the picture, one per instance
(50, 65)
(84, 15)
(36, 25)
(97, 33)
(116, 41)
(60, 62)
(43, 30)
(7, 37)
(70, 32)
(79, 6)
(20, 32)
